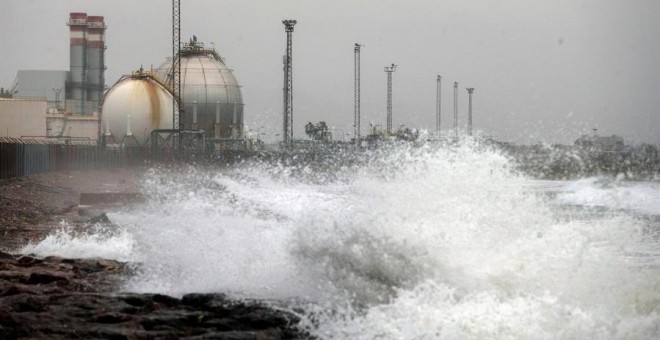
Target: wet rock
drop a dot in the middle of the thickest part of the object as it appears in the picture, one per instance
(112, 317)
(44, 276)
(102, 218)
(76, 298)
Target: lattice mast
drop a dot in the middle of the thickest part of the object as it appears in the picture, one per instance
(438, 106)
(456, 109)
(288, 82)
(470, 90)
(389, 70)
(176, 64)
(356, 69)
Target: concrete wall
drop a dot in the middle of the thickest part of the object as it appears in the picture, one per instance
(82, 127)
(20, 117)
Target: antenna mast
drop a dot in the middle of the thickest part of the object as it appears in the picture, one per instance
(176, 63)
(438, 106)
(356, 118)
(470, 90)
(288, 82)
(389, 70)
(456, 109)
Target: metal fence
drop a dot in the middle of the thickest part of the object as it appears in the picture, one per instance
(20, 157)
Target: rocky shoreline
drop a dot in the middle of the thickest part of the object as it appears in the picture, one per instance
(77, 298)
(56, 297)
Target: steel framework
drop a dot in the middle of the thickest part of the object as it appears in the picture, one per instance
(389, 70)
(176, 64)
(288, 82)
(438, 105)
(456, 109)
(470, 90)
(356, 118)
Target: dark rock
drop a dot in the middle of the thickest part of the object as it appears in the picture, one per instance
(103, 218)
(27, 261)
(165, 300)
(64, 298)
(112, 317)
(6, 256)
(14, 276)
(138, 300)
(27, 303)
(47, 276)
(203, 300)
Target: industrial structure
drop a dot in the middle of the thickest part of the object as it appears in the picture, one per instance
(438, 105)
(71, 99)
(356, 92)
(208, 88)
(470, 90)
(288, 82)
(456, 109)
(87, 63)
(48, 84)
(175, 72)
(389, 70)
(136, 105)
(77, 91)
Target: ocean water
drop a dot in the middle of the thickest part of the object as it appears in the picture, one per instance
(409, 243)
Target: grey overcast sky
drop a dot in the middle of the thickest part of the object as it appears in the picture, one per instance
(542, 70)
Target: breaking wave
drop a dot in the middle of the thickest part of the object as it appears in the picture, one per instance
(419, 242)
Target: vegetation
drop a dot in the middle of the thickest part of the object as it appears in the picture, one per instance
(318, 132)
(4, 93)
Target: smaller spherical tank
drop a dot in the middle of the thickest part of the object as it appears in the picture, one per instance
(135, 106)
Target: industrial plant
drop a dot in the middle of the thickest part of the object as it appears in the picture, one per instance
(60, 103)
(191, 104)
(76, 105)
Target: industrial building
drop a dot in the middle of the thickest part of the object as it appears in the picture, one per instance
(71, 103)
(48, 84)
(22, 117)
(60, 103)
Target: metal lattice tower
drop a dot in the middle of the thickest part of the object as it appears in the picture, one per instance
(356, 118)
(288, 82)
(438, 106)
(470, 90)
(456, 109)
(389, 70)
(176, 63)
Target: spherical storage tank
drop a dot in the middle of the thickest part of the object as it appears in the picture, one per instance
(209, 91)
(137, 102)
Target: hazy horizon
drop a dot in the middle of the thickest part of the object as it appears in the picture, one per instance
(542, 70)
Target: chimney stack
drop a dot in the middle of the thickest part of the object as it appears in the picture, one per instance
(86, 62)
(95, 71)
(77, 61)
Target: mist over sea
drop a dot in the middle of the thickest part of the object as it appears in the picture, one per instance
(423, 242)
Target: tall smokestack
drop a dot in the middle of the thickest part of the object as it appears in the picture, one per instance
(78, 56)
(95, 62)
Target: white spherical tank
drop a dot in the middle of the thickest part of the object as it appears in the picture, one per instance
(135, 106)
(211, 94)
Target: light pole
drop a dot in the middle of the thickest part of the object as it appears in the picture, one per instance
(438, 105)
(470, 90)
(456, 109)
(389, 70)
(288, 82)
